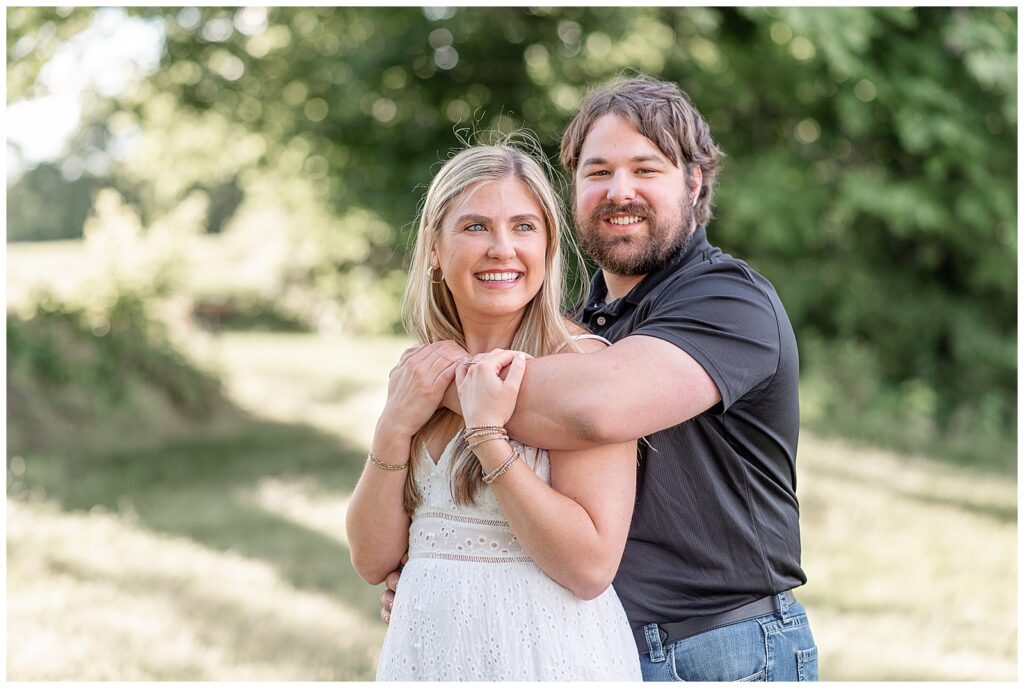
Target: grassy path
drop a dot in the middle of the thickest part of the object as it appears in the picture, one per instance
(221, 556)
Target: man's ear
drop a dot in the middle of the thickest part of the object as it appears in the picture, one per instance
(695, 179)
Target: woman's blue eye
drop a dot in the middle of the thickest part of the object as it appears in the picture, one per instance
(525, 227)
(475, 227)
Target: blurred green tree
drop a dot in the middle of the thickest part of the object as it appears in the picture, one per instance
(871, 171)
(31, 212)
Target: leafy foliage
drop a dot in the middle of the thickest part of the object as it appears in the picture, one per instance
(871, 170)
(61, 345)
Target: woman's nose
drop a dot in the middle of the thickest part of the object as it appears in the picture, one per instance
(501, 247)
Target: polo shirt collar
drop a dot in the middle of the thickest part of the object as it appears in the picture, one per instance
(695, 251)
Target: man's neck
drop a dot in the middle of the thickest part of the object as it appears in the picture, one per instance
(619, 285)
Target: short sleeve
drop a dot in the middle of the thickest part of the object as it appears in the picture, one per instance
(536, 459)
(725, 321)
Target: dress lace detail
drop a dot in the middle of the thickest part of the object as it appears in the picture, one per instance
(472, 605)
(444, 535)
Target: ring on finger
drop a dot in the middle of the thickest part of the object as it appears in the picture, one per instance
(468, 362)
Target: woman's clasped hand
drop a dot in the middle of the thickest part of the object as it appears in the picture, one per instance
(488, 386)
(418, 383)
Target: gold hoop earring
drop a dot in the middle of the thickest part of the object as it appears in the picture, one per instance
(430, 275)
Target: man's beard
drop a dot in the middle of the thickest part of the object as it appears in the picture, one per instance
(629, 255)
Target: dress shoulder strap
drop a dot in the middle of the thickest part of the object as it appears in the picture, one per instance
(581, 337)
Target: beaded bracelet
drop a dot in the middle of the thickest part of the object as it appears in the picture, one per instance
(480, 435)
(473, 431)
(482, 432)
(500, 470)
(387, 466)
(471, 428)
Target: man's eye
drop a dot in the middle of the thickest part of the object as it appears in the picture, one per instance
(646, 170)
(597, 173)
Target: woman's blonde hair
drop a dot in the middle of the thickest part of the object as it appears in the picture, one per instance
(428, 308)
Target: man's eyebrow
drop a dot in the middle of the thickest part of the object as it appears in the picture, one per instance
(635, 158)
(647, 158)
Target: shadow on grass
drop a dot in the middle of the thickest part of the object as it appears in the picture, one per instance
(1003, 513)
(255, 639)
(197, 488)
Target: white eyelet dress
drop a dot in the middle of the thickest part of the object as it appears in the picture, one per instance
(472, 605)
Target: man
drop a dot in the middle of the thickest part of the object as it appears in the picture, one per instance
(704, 366)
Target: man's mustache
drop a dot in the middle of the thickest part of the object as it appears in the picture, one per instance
(633, 208)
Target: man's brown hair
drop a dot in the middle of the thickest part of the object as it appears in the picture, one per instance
(664, 114)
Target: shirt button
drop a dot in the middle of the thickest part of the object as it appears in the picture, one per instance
(601, 320)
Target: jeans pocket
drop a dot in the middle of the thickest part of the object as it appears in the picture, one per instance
(807, 664)
(732, 653)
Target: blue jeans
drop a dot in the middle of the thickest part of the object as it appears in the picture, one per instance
(776, 647)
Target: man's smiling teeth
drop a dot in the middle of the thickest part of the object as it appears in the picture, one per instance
(498, 276)
(632, 219)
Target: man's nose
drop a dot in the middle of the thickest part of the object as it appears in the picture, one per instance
(621, 189)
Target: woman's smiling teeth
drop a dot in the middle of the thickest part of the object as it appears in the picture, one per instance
(628, 220)
(498, 276)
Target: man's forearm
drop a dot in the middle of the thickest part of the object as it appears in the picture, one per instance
(551, 411)
(635, 387)
(631, 389)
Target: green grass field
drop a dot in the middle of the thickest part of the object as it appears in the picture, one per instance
(217, 551)
(222, 556)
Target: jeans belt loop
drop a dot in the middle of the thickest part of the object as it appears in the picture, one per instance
(785, 601)
(655, 637)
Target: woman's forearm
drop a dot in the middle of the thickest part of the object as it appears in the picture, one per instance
(376, 521)
(559, 534)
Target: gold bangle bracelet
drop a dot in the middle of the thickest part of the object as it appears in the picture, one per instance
(387, 466)
(474, 445)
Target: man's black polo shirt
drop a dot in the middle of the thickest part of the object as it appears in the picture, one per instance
(716, 518)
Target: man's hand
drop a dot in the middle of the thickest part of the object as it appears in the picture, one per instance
(387, 598)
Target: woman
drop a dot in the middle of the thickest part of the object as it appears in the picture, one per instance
(510, 555)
